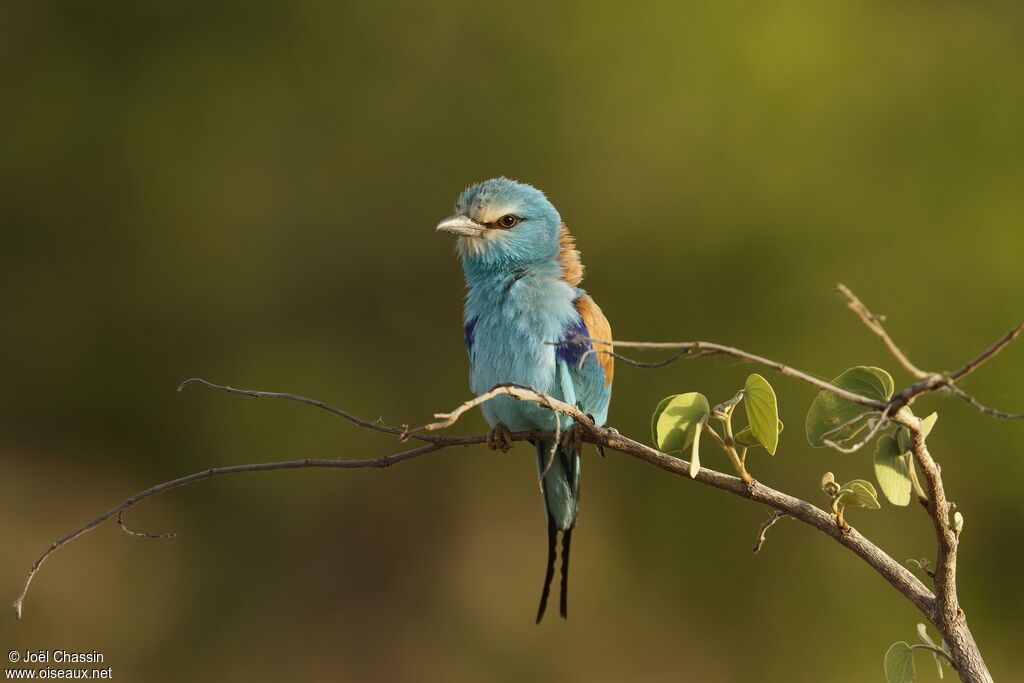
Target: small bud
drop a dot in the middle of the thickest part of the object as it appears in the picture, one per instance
(958, 523)
(829, 485)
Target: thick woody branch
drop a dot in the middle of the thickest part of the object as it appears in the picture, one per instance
(948, 618)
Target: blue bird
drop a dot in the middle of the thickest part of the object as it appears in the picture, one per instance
(523, 273)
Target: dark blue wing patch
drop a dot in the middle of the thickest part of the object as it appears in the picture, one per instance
(470, 327)
(572, 353)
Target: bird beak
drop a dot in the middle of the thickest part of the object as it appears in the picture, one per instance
(461, 225)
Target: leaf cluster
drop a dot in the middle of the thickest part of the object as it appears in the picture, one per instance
(679, 421)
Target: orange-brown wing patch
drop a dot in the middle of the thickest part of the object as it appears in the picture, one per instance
(599, 328)
(569, 257)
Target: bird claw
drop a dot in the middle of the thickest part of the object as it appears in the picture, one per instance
(499, 438)
(573, 436)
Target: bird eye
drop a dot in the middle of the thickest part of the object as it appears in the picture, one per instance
(508, 221)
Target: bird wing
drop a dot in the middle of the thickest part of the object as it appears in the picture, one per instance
(592, 381)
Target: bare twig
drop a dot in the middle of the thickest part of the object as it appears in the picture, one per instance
(932, 381)
(554, 443)
(519, 392)
(983, 408)
(385, 461)
(710, 349)
(880, 423)
(375, 426)
(687, 354)
(874, 323)
(765, 526)
(971, 365)
(141, 534)
(849, 423)
(931, 648)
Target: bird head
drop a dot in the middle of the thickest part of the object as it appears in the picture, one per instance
(500, 220)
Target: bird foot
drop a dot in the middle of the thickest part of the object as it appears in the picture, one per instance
(499, 438)
(573, 436)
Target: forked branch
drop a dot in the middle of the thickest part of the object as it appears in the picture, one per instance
(941, 608)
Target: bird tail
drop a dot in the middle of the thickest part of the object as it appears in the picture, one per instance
(561, 493)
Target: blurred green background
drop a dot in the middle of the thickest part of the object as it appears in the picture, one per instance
(247, 192)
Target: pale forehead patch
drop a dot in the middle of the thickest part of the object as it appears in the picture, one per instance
(486, 212)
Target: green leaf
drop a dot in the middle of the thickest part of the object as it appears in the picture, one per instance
(929, 422)
(745, 437)
(859, 493)
(899, 664)
(677, 420)
(762, 412)
(829, 411)
(891, 471)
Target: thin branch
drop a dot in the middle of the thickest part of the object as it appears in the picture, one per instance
(983, 408)
(936, 650)
(765, 526)
(931, 381)
(385, 461)
(687, 354)
(992, 350)
(849, 423)
(554, 443)
(141, 534)
(519, 392)
(880, 424)
(710, 348)
(874, 323)
(373, 426)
